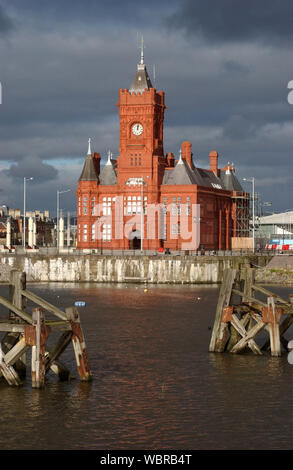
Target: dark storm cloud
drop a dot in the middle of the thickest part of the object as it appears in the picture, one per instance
(6, 23)
(101, 13)
(62, 66)
(32, 166)
(235, 20)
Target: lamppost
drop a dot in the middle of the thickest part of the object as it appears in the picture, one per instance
(24, 205)
(100, 222)
(142, 215)
(58, 202)
(263, 232)
(252, 180)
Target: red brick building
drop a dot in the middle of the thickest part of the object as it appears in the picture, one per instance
(168, 189)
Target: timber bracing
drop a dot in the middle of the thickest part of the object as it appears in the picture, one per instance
(24, 330)
(241, 315)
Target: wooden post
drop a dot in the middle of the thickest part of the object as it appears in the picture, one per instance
(36, 336)
(17, 284)
(243, 281)
(24, 330)
(249, 277)
(220, 330)
(79, 346)
(286, 323)
(274, 329)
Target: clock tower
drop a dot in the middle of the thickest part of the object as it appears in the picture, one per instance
(141, 113)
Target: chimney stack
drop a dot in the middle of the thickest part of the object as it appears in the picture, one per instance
(97, 162)
(186, 153)
(214, 161)
(170, 160)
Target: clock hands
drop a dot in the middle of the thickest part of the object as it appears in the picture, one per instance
(137, 128)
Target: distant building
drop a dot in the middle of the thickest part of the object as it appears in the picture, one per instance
(276, 231)
(43, 226)
(142, 177)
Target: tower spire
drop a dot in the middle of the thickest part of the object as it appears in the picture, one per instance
(89, 152)
(180, 161)
(109, 158)
(142, 51)
(141, 80)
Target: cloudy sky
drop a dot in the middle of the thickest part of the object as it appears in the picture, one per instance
(224, 65)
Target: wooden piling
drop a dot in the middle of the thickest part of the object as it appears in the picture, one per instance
(24, 330)
(79, 346)
(243, 321)
(274, 328)
(220, 333)
(16, 286)
(36, 336)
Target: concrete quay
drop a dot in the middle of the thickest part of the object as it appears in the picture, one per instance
(183, 269)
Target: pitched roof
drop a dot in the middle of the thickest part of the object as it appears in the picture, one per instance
(183, 174)
(89, 172)
(141, 80)
(108, 174)
(230, 180)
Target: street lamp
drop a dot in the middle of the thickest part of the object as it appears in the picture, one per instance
(24, 206)
(58, 200)
(142, 215)
(252, 180)
(263, 231)
(100, 222)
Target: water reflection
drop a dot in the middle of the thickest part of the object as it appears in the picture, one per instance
(155, 383)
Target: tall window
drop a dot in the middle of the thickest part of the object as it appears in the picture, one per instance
(106, 232)
(188, 211)
(164, 207)
(133, 205)
(85, 205)
(85, 232)
(107, 206)
(93, 203)
(174, 208)
(93, 232)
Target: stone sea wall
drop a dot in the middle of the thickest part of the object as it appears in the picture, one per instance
(279, 270)
(95, 268)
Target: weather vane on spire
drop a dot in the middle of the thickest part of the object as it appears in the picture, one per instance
(109, 157)
(142, 51)
(89, 152)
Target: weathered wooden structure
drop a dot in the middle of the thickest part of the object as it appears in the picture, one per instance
(241, 315)
(24, 330)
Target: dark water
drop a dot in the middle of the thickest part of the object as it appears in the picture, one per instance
(155, 385)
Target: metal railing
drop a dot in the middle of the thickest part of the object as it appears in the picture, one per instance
(136, 253)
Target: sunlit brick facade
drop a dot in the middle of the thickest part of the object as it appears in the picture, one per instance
(142, 174)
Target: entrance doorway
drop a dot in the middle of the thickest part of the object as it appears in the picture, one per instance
(135, 240)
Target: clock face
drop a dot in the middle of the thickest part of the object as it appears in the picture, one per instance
(137, 128)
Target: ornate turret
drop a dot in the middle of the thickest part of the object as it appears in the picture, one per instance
(89, 172)
(108, 174)
(141, 80)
